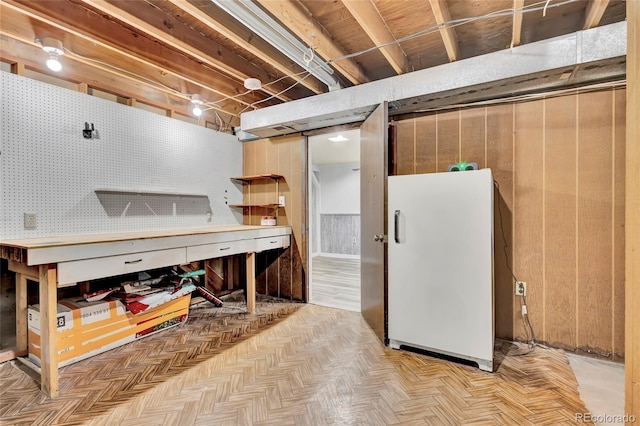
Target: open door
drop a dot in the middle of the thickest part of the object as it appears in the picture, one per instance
(373, 183)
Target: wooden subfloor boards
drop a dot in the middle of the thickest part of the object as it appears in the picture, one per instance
(312, 366)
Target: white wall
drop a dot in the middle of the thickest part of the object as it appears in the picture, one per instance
(340, 189)
(49, 169)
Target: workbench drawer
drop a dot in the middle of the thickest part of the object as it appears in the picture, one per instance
(100, 267)
(212, 251)
(270, 243)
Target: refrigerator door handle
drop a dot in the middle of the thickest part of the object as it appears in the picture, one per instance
(396, 226)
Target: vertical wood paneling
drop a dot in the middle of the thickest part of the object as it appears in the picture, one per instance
(261, 272)
(248, 169)
(594, 221)
(279, 273)
(560, 221)
(448, 139)
(426, 141)
(405, 147)
(632, 207)
(273, 272)
(285, 166)
(618, 223)
(540, 165)
(472, 136)
(297, 291)
(500, 161)
(284, 169)
(263, 189)
(528, 211)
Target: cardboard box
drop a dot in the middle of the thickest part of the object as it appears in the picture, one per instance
(89, 328)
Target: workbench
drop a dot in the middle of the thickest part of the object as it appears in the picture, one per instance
(64, 261)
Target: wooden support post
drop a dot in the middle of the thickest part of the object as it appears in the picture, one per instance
(48, 330)
(21, 313)
(17, 68)
(251, 283)
(632, 219)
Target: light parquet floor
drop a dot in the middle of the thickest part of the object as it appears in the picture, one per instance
(302, 365)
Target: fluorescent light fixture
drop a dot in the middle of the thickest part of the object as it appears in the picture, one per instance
(338, 138)
(257, 20)
(55, 49)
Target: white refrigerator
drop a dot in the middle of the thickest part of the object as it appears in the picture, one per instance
(440, 262)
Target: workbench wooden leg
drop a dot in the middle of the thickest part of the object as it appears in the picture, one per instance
(251, 282)
(21, 313)
(48, 330)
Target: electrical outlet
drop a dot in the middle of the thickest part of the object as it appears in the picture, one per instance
(521, 288)
(30, 221)
(281, 200)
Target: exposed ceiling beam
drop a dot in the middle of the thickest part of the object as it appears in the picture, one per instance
(314, 35)
(517, 22)
(27, 54)
(441, 12)
(372, 23)
(230, 65)
(256, 46)
(25, 24)
(523, 67)
(594, 12)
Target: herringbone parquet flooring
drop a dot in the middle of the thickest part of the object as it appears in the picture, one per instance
(290, 364)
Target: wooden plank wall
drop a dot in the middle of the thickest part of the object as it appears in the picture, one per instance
(560, 167)
(632, 196)
(279, 272)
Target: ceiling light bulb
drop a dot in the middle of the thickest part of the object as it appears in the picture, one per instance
(338, 138)
(53, 63)
(197, 105)
(55, 49)
(252, 84)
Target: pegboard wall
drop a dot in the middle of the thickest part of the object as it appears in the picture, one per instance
(180, 171)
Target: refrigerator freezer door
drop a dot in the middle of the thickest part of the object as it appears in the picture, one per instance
(440, 262)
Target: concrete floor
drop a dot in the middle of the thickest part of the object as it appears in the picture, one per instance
(601, 387)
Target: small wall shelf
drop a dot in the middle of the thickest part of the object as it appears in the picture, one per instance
(133, 202)
(266, 206)
(248, 180)
(251, 178)
(139, 192)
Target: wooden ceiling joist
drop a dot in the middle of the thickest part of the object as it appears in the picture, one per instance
(230, 65)
(441, 13)
(24, 23)
(372, 23)
(314, 35)
(256, 46)
(594, 12)
(517, 22)
(29, 55)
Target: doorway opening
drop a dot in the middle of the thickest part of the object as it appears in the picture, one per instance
(334, 219)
